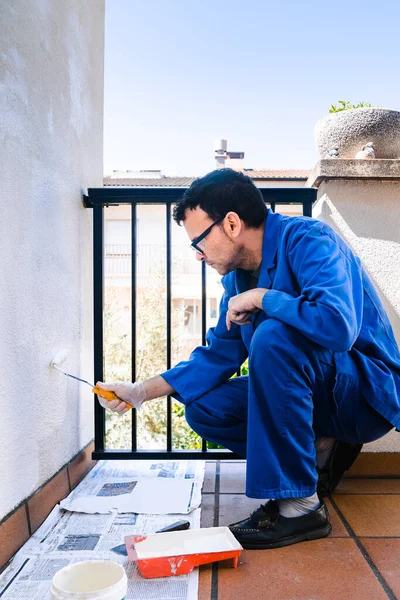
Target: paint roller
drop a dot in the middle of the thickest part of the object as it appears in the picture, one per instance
(61, 357)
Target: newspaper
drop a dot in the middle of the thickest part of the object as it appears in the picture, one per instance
(168, 469)
(152, 487)
(68, 537)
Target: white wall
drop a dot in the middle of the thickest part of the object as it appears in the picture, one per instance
(51, 126)
(365, 213)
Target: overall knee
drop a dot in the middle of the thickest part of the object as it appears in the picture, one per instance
(271, 334)
(275, 343)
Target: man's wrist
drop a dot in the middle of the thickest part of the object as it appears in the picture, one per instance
(259, 295)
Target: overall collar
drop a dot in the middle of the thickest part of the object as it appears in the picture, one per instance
(269, 252)
(269, 247)
(270, 239)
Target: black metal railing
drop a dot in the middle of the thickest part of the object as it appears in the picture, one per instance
(98, 199)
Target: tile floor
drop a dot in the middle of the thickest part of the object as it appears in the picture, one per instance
(360, 559)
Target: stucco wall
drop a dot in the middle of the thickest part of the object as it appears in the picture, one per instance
(51, 126)
(366, 214)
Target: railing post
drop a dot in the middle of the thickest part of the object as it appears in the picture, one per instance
(133, 316)
(168, 307)
(203, 320)
(98, 296)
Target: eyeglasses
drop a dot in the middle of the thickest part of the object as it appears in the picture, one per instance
(195, 244)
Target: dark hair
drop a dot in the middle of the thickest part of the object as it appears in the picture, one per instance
(222, 191)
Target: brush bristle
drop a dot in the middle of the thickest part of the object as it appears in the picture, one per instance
(59, 358)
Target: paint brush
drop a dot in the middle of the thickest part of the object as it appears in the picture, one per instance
(61, 356)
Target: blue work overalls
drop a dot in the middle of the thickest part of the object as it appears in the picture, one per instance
(323, 361)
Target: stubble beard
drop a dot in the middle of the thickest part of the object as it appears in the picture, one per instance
(235, 261)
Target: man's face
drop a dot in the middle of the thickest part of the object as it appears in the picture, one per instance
(221, 249)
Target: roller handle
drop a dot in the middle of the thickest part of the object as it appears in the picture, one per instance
(108, 395)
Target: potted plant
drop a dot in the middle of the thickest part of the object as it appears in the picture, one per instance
(349, 128)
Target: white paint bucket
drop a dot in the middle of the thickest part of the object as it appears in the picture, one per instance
(90, 580)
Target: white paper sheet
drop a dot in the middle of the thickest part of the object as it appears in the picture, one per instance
(156, 496)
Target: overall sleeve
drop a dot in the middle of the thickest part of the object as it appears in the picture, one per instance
(329, 308)
(210, 365)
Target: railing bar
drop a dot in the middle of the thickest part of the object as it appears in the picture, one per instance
(165, 455)
(203, 302)
(169, 280)
(133, 316)
(98, 293)
(126, 195)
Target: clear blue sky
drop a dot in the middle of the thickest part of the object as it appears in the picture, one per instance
(181, 73)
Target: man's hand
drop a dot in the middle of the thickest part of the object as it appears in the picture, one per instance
(243, 306)
(129, 393)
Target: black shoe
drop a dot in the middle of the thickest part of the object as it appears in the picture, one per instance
(266, 528)
(342, 457)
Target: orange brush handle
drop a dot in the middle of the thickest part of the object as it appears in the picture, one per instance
(108, 395)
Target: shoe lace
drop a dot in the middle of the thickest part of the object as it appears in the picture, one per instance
(268, 511)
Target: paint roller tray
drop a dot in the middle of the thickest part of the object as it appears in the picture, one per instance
(179, 552)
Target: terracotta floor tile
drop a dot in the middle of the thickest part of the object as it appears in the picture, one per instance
(45, 499)
(13, 533)
(205, 582)
(234, 507)
(338, 529)
(328, 569)
(81, 465)
(375, 515)
(368, 486)
(233, 477)
(209, 477)
(385, 554)
(375, 464)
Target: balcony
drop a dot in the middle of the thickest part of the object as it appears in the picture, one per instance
(52, 127)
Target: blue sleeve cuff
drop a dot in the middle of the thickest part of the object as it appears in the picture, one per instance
(273, 301)
(168, 377)
(180, 380)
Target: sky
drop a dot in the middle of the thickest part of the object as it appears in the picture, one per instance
(180, 74)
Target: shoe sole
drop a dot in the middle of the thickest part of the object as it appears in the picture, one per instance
(300, 537)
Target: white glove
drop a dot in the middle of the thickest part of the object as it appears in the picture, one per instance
(129, 393)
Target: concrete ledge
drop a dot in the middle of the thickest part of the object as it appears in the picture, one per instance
(376, 464)
(349, 168)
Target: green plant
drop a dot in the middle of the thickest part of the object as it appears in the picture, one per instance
(244, 369)
(345, 105)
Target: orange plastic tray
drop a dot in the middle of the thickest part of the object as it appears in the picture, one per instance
(174, 553)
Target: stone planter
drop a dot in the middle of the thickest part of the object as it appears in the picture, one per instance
(350, 130)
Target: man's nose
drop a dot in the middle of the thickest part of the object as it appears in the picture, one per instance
(200, 256)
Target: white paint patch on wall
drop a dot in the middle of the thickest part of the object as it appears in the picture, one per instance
(51, 124)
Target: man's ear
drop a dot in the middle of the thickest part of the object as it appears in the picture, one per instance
(233, 224)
